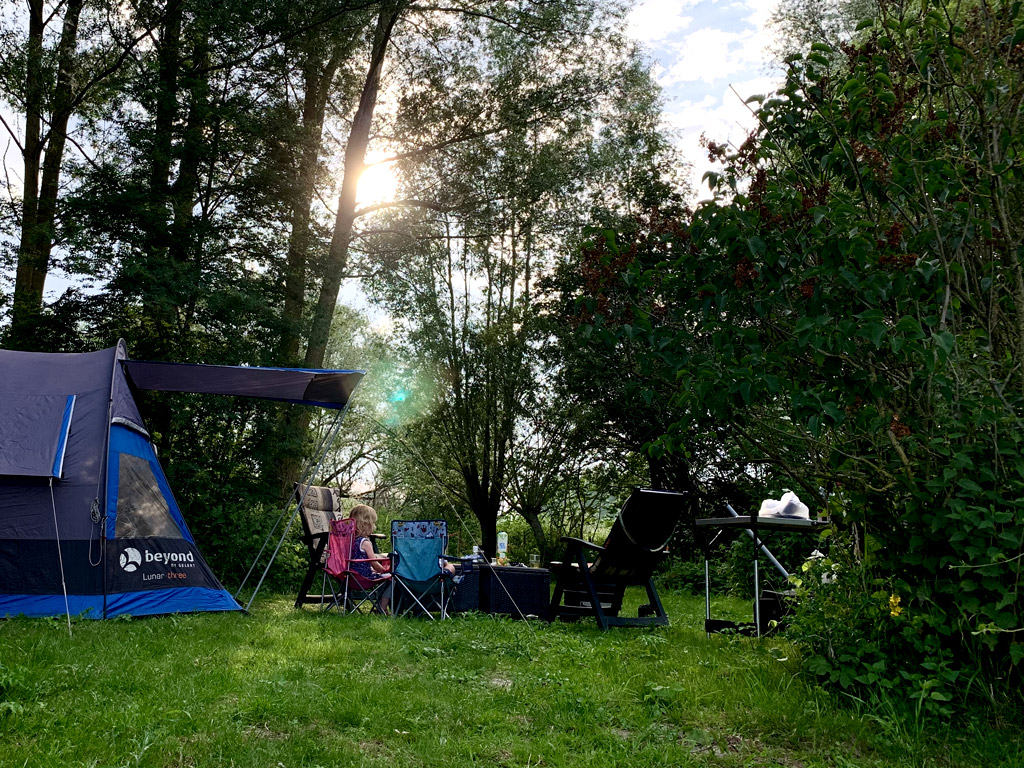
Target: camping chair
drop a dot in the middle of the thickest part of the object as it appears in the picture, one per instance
(635, 546)
(417, 567)
(356, 589)
(318, 508)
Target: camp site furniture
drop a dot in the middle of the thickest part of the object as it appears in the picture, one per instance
(319, 506)
(466, 595)
(421, 584)
(88, 523)
(711, 530)
(636, 545)
(515, 591)
(356, 590)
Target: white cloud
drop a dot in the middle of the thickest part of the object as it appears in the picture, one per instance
(654, 20)
(723, 118)
(697, 55)
(760, 11)
(710, 54)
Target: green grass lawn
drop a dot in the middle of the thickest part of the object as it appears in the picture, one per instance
(287, 688)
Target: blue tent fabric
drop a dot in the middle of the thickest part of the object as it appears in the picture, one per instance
(72, 441)
(62, 440)
(180, 600)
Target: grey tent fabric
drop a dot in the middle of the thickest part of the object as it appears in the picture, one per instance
(34, 431)
(88, 377)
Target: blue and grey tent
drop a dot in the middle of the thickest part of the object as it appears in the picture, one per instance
(88, 523)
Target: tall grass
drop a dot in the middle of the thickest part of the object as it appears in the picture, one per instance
(282, 687)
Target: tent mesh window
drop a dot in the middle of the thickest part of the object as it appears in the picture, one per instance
(142, 510)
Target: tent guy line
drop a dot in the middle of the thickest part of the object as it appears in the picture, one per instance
(60, 555)
(308, 474)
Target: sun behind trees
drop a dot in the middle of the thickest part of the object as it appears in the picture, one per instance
(205, 207)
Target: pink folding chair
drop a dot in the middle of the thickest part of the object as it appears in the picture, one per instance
(356, 588)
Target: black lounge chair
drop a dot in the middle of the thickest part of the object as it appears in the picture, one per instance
(635, 546)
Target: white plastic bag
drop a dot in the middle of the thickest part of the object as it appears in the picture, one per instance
(788, 506)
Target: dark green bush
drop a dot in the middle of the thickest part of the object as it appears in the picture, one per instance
(848, 314)
(867, 635)
(682, 575)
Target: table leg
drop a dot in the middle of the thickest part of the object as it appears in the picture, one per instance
(757, 575)
(757, 597)
(707, 594)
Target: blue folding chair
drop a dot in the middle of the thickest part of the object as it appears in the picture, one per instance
(417, 567)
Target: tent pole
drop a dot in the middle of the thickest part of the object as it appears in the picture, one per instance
(287, 507)
(101, 481)
(332, 435)
(270, 535)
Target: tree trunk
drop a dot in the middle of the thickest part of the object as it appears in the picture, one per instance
(184, 252)
(488, 519)
(154, 278)
(355, 163)
(317, 81)
(40, 195)
(484, 499)
(337, 258)
(531, 515)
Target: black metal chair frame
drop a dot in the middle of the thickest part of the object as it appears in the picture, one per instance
(596, 588)
(316, 545)
(345, 600)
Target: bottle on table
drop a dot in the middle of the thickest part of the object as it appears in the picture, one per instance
(502, 548)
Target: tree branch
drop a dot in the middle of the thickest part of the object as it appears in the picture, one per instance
(12, 134)
(412, 203)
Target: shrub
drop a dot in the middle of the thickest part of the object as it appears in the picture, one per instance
(869, 636)
(848, 313)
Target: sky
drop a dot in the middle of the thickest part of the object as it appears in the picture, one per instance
(710, 55)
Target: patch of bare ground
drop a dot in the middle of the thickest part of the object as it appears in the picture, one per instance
(373, 747)
(263, 731)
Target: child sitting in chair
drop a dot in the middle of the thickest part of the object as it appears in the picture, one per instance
(374, 565)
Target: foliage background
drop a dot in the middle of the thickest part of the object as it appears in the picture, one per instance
(845, 318)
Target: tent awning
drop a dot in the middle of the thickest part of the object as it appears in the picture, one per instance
(325, 388)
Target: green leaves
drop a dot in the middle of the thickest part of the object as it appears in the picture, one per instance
(850, 320)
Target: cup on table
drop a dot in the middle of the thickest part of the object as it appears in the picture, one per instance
(535, 560)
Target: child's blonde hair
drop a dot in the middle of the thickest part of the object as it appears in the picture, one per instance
(366, 519)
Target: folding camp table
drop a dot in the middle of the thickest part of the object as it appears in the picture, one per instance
(754, 523)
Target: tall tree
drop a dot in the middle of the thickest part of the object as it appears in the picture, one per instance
(322, 53)
(355, 162)
(57, 82)
(493, 210)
